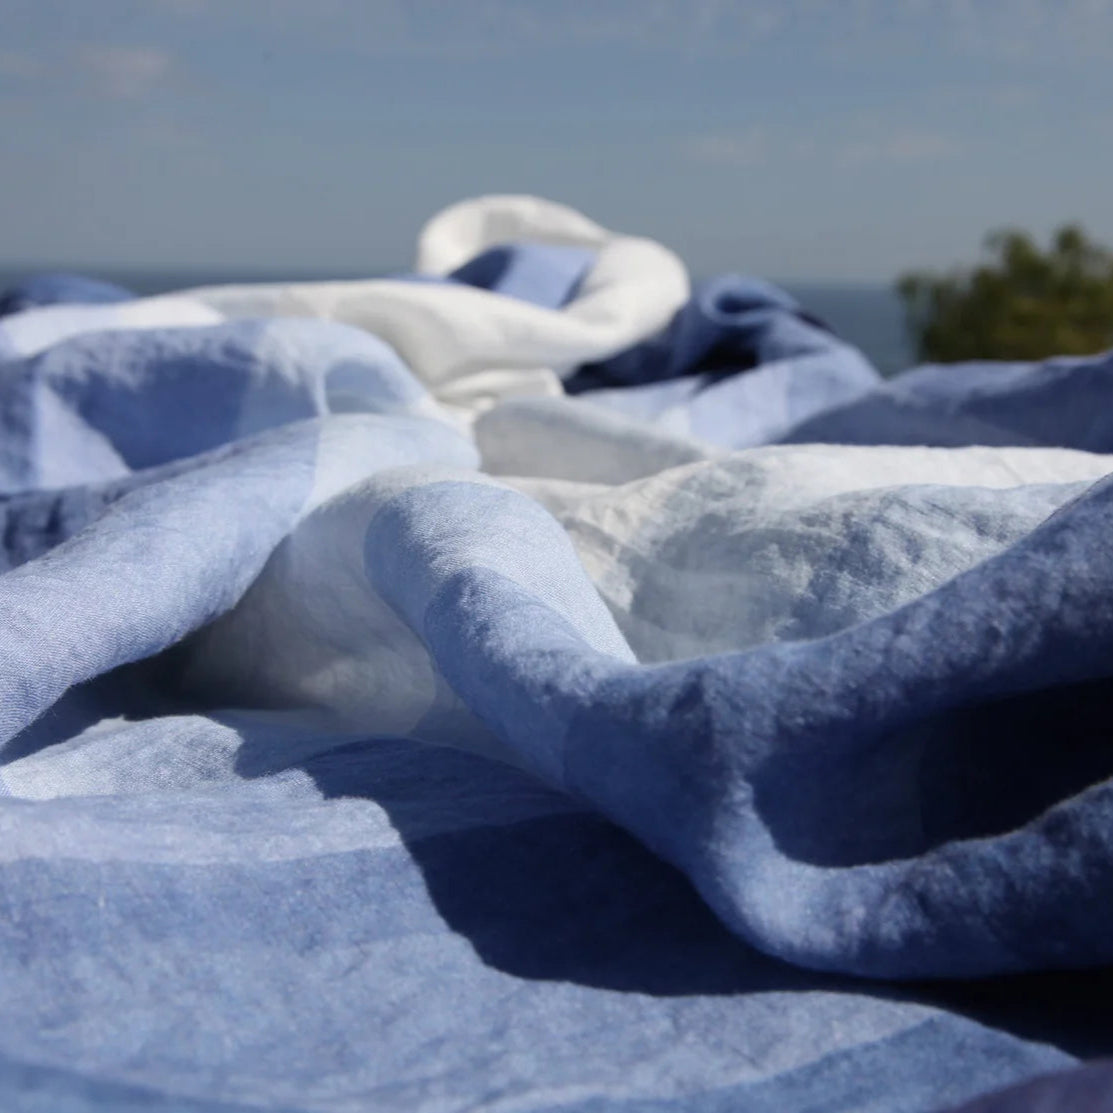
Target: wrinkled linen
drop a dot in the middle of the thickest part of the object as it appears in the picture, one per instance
(60, 289)
(384, 725)
(1087, 1090)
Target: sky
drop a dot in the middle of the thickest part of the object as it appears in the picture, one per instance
(827, 140)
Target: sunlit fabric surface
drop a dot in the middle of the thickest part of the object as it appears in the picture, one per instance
(534, 684)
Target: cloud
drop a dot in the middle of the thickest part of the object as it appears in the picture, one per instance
(919, 147)
(692, 29)
(1002, 29)
(406, 27)
(1020, 30)
(17, 66)
(711, 24)
(124, 71)
(183, 7)
(755, 147)
(901, 148)
(1012, 29)
(1015, 96)
(749, 148)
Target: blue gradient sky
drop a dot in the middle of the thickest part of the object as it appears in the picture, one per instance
(826, 139)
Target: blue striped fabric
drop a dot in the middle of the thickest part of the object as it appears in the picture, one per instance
(339, 773)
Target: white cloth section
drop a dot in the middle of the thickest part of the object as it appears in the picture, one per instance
(565, 438)
(446, 332)
(32, 331)
(473, 395)
(796, 541)
(464, 230)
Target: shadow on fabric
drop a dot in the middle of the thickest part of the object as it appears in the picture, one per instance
(567, 896)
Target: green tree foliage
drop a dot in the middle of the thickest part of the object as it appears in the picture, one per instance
(1021, 303)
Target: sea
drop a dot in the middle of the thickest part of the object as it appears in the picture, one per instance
(868, 316)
